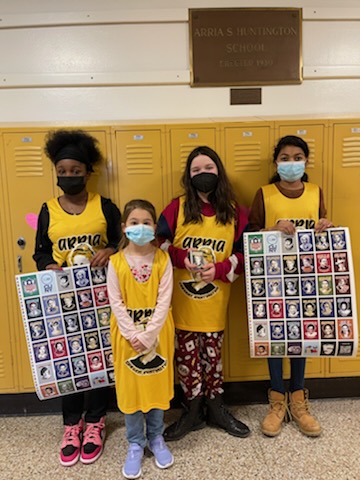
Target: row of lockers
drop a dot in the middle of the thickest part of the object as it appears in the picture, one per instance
(146, 161)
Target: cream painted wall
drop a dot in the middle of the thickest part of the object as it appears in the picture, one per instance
(129, 59)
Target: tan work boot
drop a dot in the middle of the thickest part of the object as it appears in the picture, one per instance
(300, 412)
(277, 414)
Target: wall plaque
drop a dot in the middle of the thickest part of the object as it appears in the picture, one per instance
(245, 46)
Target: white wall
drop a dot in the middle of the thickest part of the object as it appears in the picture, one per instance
(129, 59)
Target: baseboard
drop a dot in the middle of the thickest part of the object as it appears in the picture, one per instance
(236, 393)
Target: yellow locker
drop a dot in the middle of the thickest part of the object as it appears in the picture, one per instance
(247, 154)
(8, 378)
(314, 134)
(140, 166)
(182, 140)
(29, 180)
(344, 207)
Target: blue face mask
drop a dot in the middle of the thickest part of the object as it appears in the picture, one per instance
(140, 234)
(291, 171)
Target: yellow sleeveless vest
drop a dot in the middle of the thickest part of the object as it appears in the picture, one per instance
(76, 238)
(302, 211)
(197, 307)
(143, 381)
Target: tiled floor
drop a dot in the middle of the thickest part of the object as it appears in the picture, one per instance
(29, 449)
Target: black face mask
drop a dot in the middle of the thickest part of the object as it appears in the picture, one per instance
(71, 185)
(205, 182)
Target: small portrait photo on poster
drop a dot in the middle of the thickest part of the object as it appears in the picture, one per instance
(341, 262)
(323, 263)
(277, 330)
(327, 328)
(75, 343)
(33, 308)
(55, 326)
(309, 307)
(344, 306)
(62, 369)
(342, 284)
(308, 286)
(72, 324)
(98, 275)
(92, 340)
(345, 329)
(58, 347)
(326, 307)
(338, 240)
(79, 365)
(51, 305)
(259, 309)
(305, 242)
(68, 303)
(41, 351)
(322, 241)
(37, 330)
(81, 277)
(258, 287)
(261, 349)
(290, 265)
(257, 266)
(311, 329)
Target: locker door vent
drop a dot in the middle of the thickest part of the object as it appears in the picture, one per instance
(351, 152)
(139, 160)
(28, 161)
(185, 150)
(312, 147)
(247, 157)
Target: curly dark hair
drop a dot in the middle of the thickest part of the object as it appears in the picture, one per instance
(222, 198)
(85, 146)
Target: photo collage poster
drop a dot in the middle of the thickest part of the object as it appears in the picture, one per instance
(66, 315)
(300, 293)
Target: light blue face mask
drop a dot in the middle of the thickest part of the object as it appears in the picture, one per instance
(140, 234)
(291, 171)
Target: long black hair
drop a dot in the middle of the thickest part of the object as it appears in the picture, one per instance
(292, 141)
(222, 198)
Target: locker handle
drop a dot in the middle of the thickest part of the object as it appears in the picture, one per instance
(19, 263)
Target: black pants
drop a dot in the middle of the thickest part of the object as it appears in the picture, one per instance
(94, 403)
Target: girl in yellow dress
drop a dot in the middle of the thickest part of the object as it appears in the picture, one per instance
(140, 286)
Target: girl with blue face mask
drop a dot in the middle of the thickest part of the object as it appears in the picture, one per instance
(287, 203)
(140, 283)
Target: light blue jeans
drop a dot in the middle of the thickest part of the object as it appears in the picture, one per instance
(134, 423)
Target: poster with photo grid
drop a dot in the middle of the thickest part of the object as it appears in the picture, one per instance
(300, 293)
(66, 315)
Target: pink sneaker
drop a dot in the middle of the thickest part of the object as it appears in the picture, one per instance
(70, 446)
(93, 441)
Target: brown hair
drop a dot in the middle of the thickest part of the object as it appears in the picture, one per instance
(129, 207)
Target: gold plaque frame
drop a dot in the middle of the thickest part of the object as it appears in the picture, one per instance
(245, 46)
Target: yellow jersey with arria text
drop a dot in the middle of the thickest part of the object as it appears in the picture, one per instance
(76, 238)
(144, 380)
(200, 307)
(303, 211)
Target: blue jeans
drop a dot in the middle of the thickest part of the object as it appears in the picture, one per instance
(135, 426)
(297, 377)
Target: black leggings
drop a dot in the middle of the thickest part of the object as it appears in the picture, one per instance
(94, 402)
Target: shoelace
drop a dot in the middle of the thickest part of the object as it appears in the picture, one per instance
(276, 407)
(71, 434)
(92, 433)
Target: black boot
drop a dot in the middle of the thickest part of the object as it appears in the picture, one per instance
(191, 419)
(219, 416)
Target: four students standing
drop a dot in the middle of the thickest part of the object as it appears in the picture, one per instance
(200, 235)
